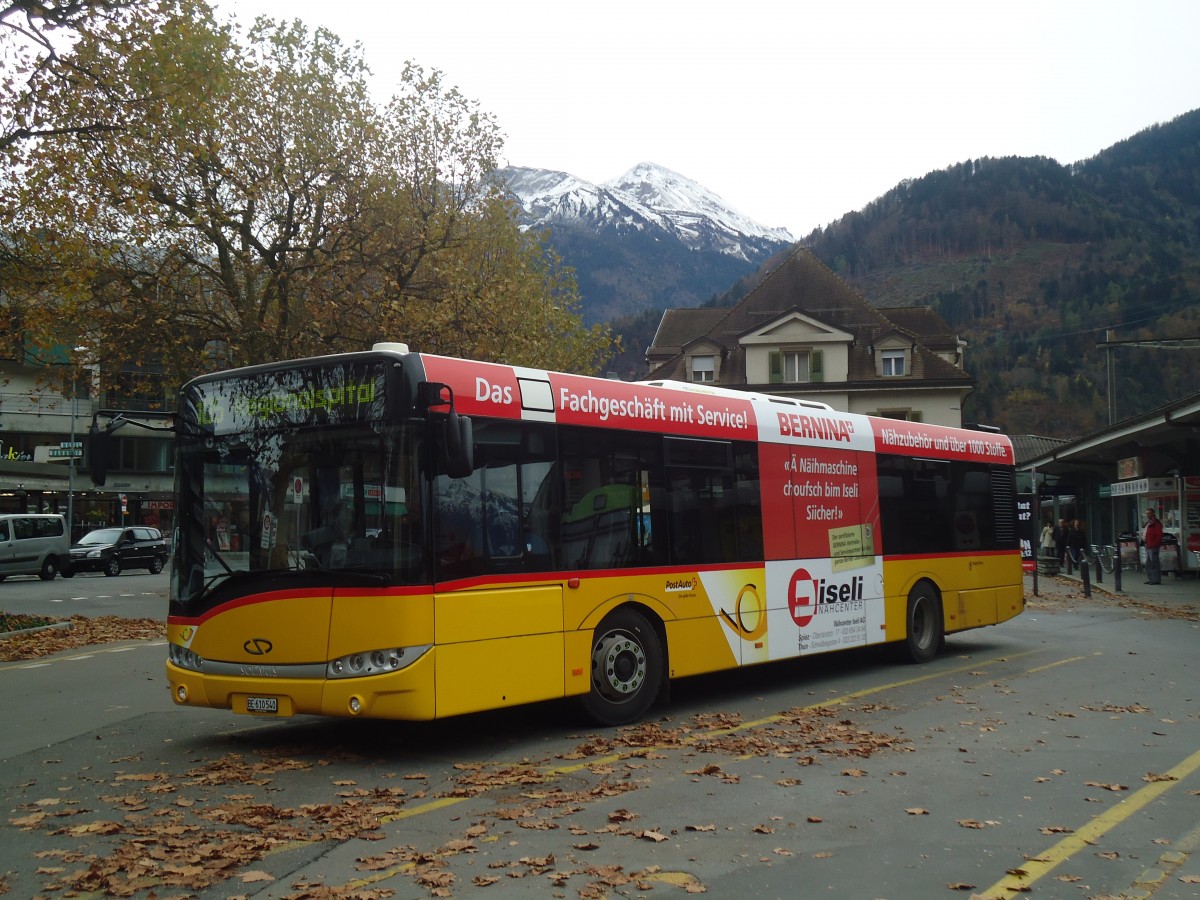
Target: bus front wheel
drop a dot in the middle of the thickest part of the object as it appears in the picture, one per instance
(926, 632)
(627, 668)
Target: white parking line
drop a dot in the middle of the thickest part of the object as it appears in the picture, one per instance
(139, 645)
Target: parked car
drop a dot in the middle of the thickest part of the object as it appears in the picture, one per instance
(112, 550)
(32, 544)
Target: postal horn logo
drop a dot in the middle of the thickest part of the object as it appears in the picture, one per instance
(749, 617)
(258, 646)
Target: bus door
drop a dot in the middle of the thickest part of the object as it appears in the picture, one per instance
(498, 621)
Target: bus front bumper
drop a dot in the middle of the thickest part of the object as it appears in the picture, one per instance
(407, 694)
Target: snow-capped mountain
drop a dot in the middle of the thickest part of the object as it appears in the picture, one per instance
(647, 198)
(646, 241)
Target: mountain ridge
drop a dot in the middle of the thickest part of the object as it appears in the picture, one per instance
(647, 239)
(646, 196)
(1032, 262)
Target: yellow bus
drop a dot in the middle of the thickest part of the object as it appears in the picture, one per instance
(399, 535)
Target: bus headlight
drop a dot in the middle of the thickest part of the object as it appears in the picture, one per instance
(184, 658)
(375, 662)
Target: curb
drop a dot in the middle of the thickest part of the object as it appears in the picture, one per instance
(56, 626)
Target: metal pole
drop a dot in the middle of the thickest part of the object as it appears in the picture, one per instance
(1112, 399)
(71, 463)
(1037, 507)
(1116, 545)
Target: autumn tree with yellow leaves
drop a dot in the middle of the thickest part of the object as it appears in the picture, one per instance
(251, 202)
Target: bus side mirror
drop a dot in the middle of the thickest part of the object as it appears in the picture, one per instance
(434, 393)
(458, 446)
(98, 442)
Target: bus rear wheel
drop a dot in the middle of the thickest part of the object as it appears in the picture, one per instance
(627, 668)
(925, 634)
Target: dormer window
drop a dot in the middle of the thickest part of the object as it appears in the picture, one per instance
(796, 366)
(704, 368)
(892, 362)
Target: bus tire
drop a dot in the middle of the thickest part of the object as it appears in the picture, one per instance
(925, 633)
(627, 668)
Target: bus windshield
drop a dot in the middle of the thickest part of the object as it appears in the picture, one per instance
(303, 500)
(282, 473)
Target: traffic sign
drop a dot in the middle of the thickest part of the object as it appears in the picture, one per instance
(64, 453)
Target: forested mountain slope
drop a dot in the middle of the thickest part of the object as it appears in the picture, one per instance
(1033, 262)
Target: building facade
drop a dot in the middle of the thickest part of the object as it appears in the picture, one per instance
(1109, 478)
(45, 413)
(804, 332)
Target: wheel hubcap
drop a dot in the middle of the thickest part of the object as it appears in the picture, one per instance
(922, 623)
(618, 666)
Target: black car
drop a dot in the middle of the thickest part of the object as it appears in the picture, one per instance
(110, 550)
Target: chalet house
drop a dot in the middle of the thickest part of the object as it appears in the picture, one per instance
(803, 332)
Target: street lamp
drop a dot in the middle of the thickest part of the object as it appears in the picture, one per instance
(71, 458)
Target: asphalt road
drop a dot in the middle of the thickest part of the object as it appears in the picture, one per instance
(130, 595)
(1058, 753)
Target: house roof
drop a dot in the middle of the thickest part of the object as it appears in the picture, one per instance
(801, 283)
(924, 322)
(681, 326)
(1170, 429)
(1033, 446)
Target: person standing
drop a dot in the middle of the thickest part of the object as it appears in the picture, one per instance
(1047, 541)
(1077, 543)
(1060, 542)
(1153, 541)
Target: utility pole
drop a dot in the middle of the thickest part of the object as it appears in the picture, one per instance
(1112, 399)
(1109, 345)
(71, 463)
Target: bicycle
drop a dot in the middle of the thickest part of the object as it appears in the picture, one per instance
(1105, 555)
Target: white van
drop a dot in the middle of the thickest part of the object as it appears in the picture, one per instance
(33, 544)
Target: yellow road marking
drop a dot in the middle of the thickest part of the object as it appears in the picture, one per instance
(431, 806)
(385, 874)
(1054, 665)
(443, 802)
(779, 717)
(1044, 863)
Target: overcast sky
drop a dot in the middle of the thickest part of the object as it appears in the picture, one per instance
(793, 112)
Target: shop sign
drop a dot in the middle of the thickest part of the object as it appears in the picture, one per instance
(1143, 486)
(15, 455)
(158, 504)
(1131, 467)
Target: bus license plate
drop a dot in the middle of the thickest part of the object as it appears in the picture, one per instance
(268, 705)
